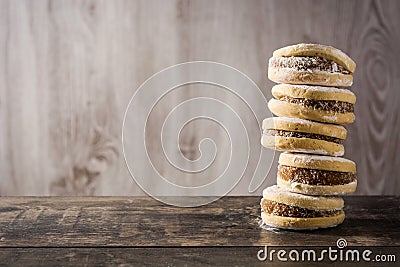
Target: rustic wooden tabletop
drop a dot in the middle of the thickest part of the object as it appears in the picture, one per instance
(140, 230)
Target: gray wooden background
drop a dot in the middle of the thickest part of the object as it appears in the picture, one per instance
(69, 68)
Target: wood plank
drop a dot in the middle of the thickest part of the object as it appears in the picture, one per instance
(231, 221)
(163, 256)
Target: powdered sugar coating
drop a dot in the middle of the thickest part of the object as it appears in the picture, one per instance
(332, 118)
(308, 63)
(322, 89)
(275, 227)
(304, 49)
(294, 120)
(301, 121)
(305, 158)
(275, 190)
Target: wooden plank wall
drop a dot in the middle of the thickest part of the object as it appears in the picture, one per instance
(69, 68)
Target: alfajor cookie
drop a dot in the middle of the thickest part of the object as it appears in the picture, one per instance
(298, 135)
(316, 175)
(283, 209)
(312, 64)
(316, 103)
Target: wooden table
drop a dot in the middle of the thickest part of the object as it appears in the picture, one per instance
(139, 230)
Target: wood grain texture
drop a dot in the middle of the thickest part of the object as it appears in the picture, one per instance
(375, 144)
(133, 231)
(160, 256)
(142, 221)
(69, 68)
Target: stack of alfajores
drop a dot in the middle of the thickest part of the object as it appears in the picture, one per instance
(311, 103)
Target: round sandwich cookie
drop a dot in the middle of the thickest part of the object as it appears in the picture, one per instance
(298, 135)
(287, 210)
(316, 175)
(316, 103)
(311, 64)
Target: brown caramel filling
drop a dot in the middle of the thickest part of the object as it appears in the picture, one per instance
(303, 135)
(328, 105)
(314, 177)
(309, 64)
(280, 209)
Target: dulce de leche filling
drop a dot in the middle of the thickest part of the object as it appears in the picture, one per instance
(284, 210)
(314, 177)
(309, 64)
(327, 105)
(285, 133)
